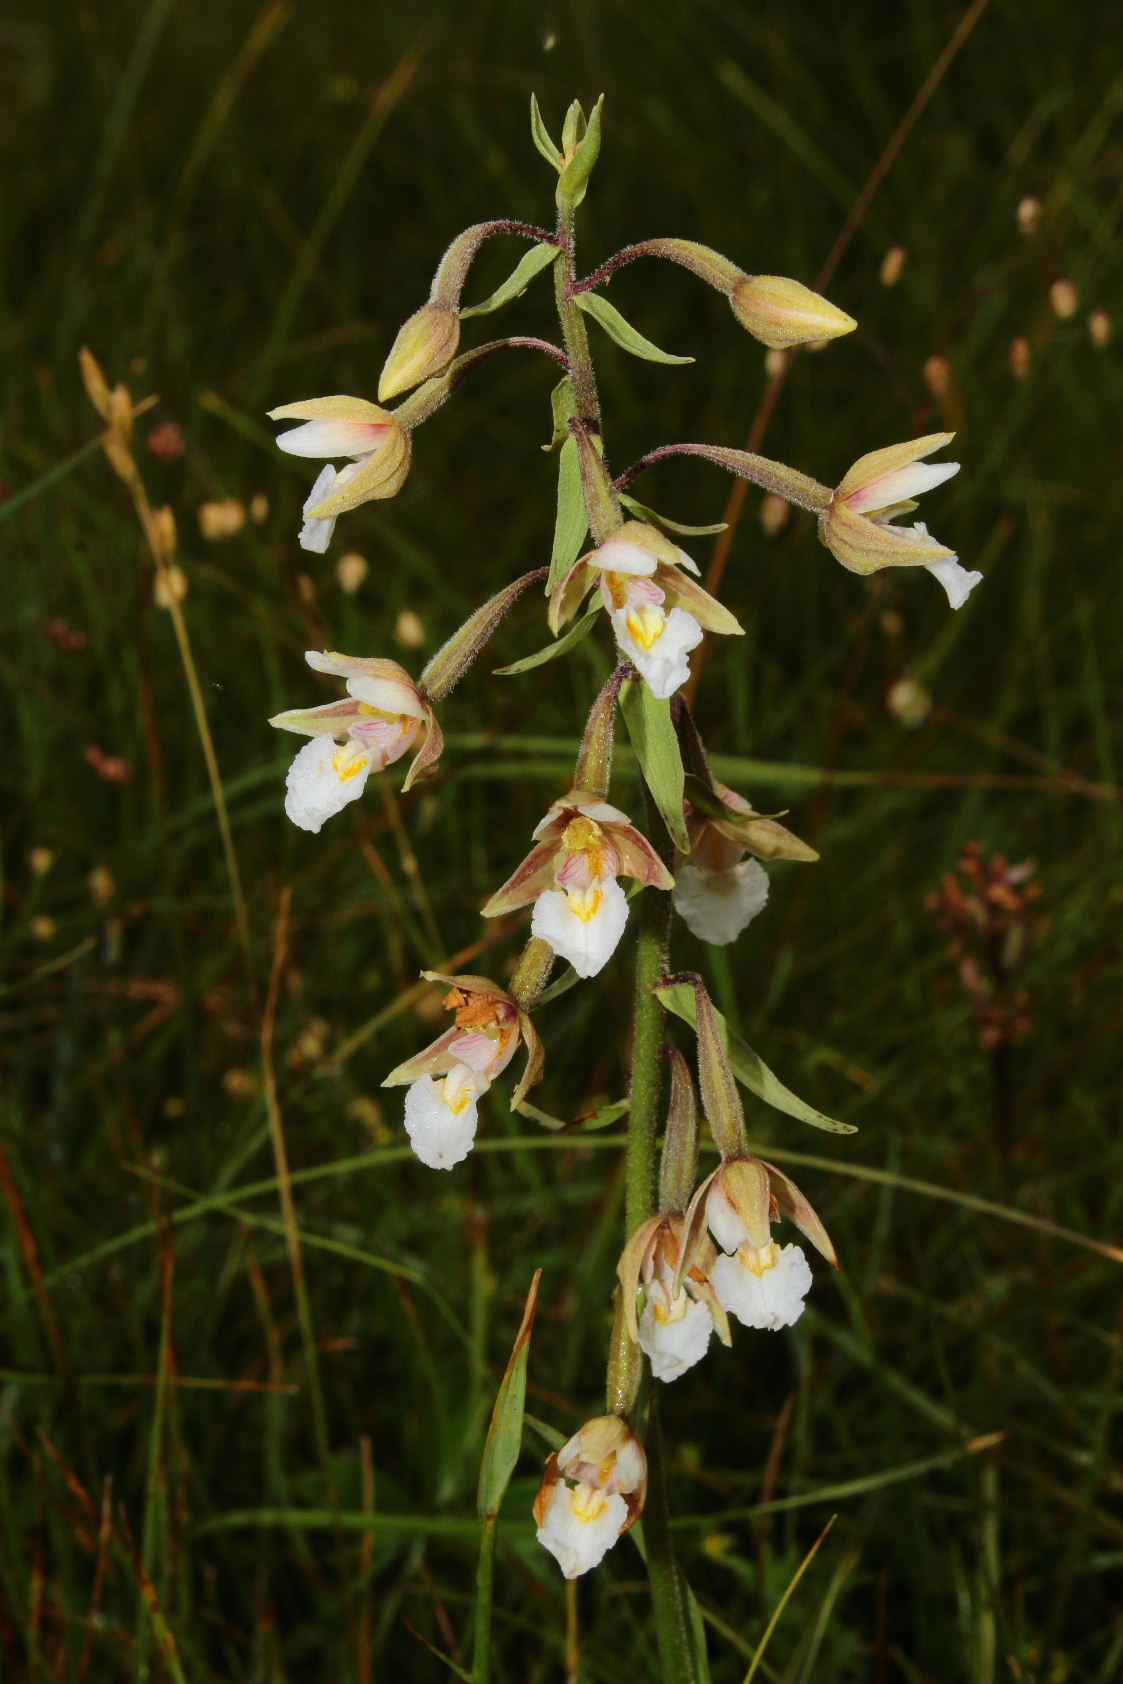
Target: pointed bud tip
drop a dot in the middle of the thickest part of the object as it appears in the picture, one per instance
(782, 313)
(424, 347)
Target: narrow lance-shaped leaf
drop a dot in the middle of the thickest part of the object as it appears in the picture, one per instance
(504, 1435)
(678, 527)
(571, 522)
(721, 1103)
(749, 1069)
(575, 635)
(621, 331)
(531, 264)
(656, 745)
(453, 659)
(541, 137)
(680, 1143)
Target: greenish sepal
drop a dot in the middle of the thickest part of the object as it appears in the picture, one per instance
(575, 175)
(677, 527)
(571, 523)
(540, 136)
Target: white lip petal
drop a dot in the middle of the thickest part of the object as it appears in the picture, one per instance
(580, 1526)
(588, 942)
(770, 1300)
(331, 438)
(661, 663)
(315, 789)
(717, 905)
(956, 580)
(674, 1342)
(440, 1135)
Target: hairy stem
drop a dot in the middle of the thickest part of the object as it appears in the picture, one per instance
(573, 325)
(669, 1591)
(645, 1086)
(786, 482)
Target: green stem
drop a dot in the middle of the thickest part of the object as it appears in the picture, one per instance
(573, 323)
(485, 1582)
(669, 1591)
(646, 1083)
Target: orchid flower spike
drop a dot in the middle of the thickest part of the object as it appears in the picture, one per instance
(448, 1077)
(753, 1279)
(385, 715)
(717, 891)
(671, 1323)
(859, 525)
(658, 611)
(581, 847)
(378, 445)
(593, 1490)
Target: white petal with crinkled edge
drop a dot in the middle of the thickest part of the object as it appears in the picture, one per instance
(440, 1134)
(769, 1300)
(717, 905)
(587, 942)
(581, 1526)
(674, 1342)
(662, 664)
(315, 788)
(956, 580)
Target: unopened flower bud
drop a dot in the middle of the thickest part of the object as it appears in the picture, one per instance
(775, 512)
(221, 520)
(425, 346)
(891, 265)
(1028, 214)
(409, 630)
(350, 570)
(909, 702)
(1099, 329)
(937, 376)
(259, 508)
(170, 587)
(1064, 299)
(781, 312)
(1019, 357)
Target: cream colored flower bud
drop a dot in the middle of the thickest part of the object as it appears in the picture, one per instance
(425, 346)
(1100, 329)
(1019, 357)
(937, 376)
(350, 570)
(221, 520)
(1028, 214)
(1064, 298)
(909, 702)
(259, 508)
(782, 313)
(409, 630)
(775, 512)
(891, 265)
(170, 587)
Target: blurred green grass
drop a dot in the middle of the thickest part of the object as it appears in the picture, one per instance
(236, 207)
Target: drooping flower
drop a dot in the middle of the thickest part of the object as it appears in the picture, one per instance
(448, 1078)
(377, 444)
(581, 847)
(860, 525)
(755, 1280)
(658, 611)
(674, 1325)
(384, 716)
(593, 1490)
(717, 891)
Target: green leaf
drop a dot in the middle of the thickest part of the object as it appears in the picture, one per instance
(532, 263)
(656, 745)
(563, 407)
(544, 1118)
(696, 1637)
(572, 522)
(540, 136)
(750, 1069)
(504, 1435)
(575, 635)
(605, 1115)
(621, 331)
(669, 525)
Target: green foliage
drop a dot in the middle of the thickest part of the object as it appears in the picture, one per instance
(238, 207)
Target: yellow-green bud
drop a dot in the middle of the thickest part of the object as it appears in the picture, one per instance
(782, 313)
(425, 346)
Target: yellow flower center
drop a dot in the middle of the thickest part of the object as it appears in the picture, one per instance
(760, 1261)
(588, 1502)
(585, 903)
(646, 625)
(349, 761)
